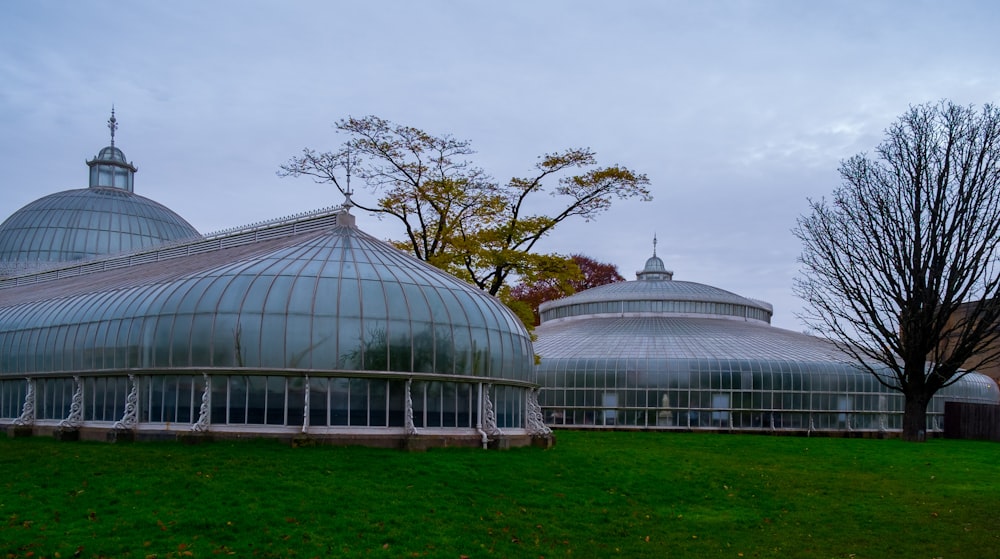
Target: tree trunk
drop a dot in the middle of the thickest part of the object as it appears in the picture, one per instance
(915, 417)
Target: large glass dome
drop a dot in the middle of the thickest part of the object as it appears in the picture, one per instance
(285, 328)
(664, 354)
(342, 301)
(86, 223)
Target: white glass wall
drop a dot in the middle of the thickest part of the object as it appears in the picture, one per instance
(731, 394)
(292, 403)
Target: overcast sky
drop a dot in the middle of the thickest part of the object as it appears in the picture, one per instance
(737, 111)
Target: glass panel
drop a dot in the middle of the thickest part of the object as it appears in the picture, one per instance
(276, 411)
(418, 394)
(340, 401)
(433, 404)
(378, 402)
(238, 399)
(358, 402)
(220, 399)
(296, 401)
(256, 399)
(396, 402)
(318, 401)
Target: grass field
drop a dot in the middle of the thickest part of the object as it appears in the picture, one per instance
(593, 495)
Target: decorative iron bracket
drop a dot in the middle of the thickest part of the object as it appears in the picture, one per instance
(27, 416)
(75, 418)
(489, 414)
(408, 426)
(305, 407)
(130, 418)
(204, 413)
(536, 419)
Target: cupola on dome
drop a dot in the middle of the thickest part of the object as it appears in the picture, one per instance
(654, 264)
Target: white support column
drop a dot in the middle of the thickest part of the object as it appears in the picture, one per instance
(883, 416)
(408, 424)
(204, 413)
(536, 420)
(489, 414)
(27, 417)
(479, 415)
(305, 408)
(75, 418)
(130, 419)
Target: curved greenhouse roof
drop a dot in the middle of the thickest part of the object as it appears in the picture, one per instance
(678, 338)
(335, 299)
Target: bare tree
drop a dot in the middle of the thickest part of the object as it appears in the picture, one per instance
(909, 236)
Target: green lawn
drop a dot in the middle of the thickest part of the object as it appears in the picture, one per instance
(594, 495)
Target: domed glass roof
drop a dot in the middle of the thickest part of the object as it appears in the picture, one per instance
(111, 153)
(657, 316)
(86, 223)
(678, 338)
(654, 264)
(656, 293)
(334, 300)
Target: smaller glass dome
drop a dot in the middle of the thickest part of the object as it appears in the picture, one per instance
(111, 153)
(86, 223)
(654, 293)
(654, 264)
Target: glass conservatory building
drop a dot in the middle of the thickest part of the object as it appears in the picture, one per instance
(304, 327)
(655, 353)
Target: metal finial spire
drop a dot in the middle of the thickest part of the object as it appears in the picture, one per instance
(348, 166)
(654, 244)
(348, 203)
(113, 125)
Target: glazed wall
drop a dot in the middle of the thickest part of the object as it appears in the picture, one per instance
(731, 394)
(270, 401)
